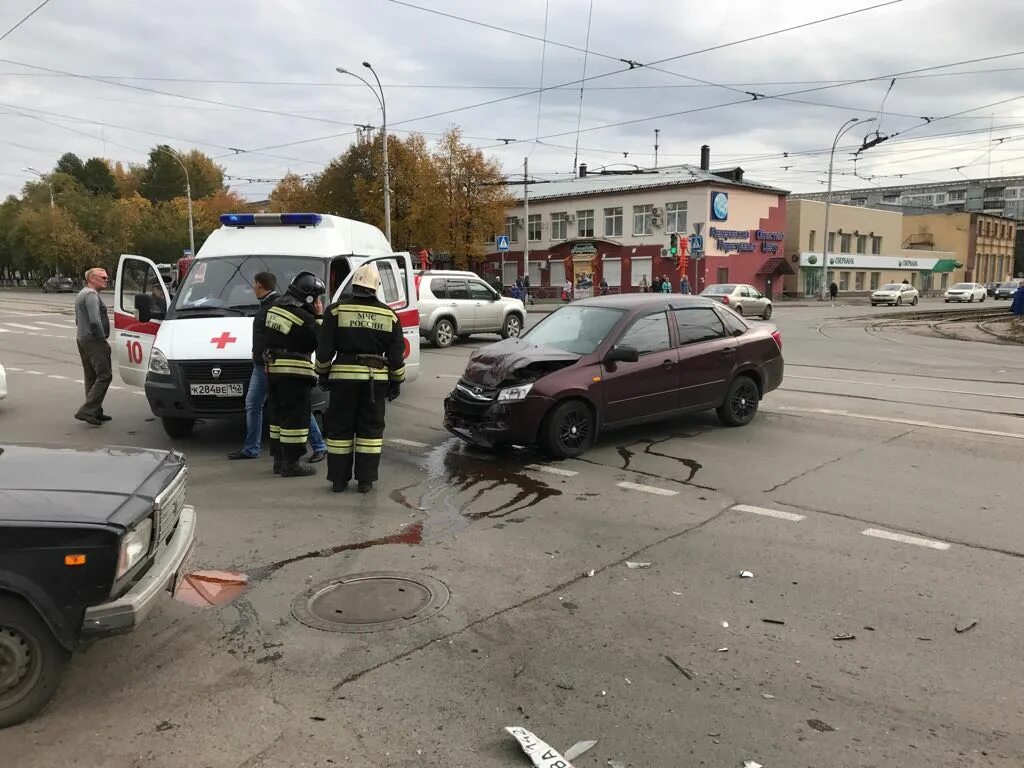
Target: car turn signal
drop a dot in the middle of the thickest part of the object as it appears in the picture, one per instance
(74, 559)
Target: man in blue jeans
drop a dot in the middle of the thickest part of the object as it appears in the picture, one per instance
(265, 286)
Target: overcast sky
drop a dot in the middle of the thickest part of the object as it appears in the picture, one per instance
(430, 63)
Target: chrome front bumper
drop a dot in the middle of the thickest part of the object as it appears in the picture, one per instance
(131, 609)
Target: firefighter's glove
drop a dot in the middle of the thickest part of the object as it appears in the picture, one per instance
(394, 390)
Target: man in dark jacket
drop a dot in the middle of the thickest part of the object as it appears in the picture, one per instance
(360, 356)
(290, 334)
(265, 288)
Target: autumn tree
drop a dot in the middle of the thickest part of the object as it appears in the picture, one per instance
(97, 178)
(164, 177)
(293, 195)
(128, 178)
(335, 187)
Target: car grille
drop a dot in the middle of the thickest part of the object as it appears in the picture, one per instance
(230, 372)
(469, 398)
(168, 505)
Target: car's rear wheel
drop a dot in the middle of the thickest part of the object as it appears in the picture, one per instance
(739, 309)
(971, 299)
(31, 662)
(568, 430)
(767, 313)
(512, 328)
(740, 404)
(177, 428)
(913, 302)
(983, 298)
(443, 334)
(947, 301)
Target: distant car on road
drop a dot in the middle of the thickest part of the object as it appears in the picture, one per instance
(744, 299)
(1007, 289)
(990, 288)
(969, 292)
(895, 294)
(90, 542)
(457, 304)
(614, 361)
(59, 285)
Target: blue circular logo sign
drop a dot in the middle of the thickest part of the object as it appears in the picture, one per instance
(812, 259)
(720, 206)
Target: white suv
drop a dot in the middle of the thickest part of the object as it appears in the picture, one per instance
(458, 304)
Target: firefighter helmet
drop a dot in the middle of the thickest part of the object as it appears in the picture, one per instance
(366, 277)
(307, 287)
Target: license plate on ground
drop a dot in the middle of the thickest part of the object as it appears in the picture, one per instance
(217, 390)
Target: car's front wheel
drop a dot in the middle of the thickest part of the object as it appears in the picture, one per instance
(899, 301)
(914, 301)
(512, 328)
(971, 299)
(31, 662)
(767, 313)
(177, 428)
(983, 298)
(568, 430)
(443, 334)
(740, 404)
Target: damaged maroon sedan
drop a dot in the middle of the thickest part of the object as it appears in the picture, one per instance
(614, 361)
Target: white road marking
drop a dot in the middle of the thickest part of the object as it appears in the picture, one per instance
(908, 422)
(770, 513)
(138, 392)
(4, 330)
(905, 539)
(551, 470)
(905, 386)
(408, 443)
(115, 387)
(62, 326)
(79, 381)
(35, 373)
(57, 376)
(648, 489)
(24, 327)
(9, 368)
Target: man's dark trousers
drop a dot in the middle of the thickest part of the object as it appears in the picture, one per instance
(95, 354)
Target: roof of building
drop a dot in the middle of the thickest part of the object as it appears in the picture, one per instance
(600, 183)
(993, 181)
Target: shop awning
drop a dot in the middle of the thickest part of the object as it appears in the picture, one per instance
(775, 266)
(945, 265)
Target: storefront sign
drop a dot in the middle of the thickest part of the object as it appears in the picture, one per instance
(583, 249)
(769, 240)
(866, 261)
(724, 239)
(719, 206)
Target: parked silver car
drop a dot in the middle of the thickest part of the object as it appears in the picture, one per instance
(458, 304)
(744, 299)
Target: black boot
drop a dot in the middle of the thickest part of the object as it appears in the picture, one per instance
(338, 486)
(278, 465)
(297, 469)
(365, 487)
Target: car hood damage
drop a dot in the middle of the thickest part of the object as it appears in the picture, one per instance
(515, 361)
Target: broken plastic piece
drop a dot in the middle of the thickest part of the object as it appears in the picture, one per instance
(616, 764)
(578, 749)
(630, 564)
(683, 670)
(541, 755)
(590, 572)
(751, 764)
(746, 575)
(961, 628)
(845, 636)
(722, 650)
(767, 696)
(725, 624)
(820, 725)
(677, 593)
(773, 621)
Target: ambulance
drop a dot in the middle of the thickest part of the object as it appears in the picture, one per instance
(192, 351)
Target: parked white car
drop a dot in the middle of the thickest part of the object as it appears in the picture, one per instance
(742, 299)
(457, 304)
(969, 292)
(895, 294)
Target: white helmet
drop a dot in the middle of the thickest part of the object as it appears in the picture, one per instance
(367, 277)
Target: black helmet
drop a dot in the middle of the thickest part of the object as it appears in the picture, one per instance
(307, 287)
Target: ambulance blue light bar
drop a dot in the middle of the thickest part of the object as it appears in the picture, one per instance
(270, 219)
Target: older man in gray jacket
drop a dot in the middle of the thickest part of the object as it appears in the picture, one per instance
(93, 330)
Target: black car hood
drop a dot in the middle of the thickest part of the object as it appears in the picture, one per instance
(495, 364)
(66, 485)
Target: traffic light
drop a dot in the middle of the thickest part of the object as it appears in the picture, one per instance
(673, 246)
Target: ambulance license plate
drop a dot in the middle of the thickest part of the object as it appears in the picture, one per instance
(217, 390)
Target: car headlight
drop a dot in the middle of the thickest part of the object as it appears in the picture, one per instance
(512, 394)
(134, 546)
(158, 363)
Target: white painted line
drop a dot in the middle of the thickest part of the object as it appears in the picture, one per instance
(551, 470)
(138, 392)
(9, 368)
(79, 381)
(114, 386)
(4, 330)
(56, 376)
(408, 443)
(905, 539)
(24, 327)
(62, 326)
(35, 373)
(648, 489)
(908, 422)
(770, 513)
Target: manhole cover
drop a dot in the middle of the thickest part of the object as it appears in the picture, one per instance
(370, 602)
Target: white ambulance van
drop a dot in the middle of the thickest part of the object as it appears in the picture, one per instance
(193, 351)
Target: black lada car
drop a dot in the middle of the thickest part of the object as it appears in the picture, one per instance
(90, 542)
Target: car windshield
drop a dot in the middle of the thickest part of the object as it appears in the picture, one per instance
(226, 282)
(891, 287)
(962, 287)
(1009, 285)
(577, 329)
(717, 289)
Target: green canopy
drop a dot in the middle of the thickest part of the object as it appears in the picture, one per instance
(945, 265)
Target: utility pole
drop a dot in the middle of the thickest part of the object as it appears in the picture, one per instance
(49, 183)
(526, 218)
(656, 132)
(188, 194)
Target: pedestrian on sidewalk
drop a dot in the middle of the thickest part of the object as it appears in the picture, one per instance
(684, 286)
(1017, 307)
(666, 284)
(526, 289)
(92, 331)
(833, 290)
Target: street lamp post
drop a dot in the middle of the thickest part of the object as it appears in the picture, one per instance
(379, 93)
(188, 194)
(828, 199)
(49, 183)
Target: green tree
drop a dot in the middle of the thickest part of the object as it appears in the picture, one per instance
(164, 178)
(335, 187)
(97, 178)
(128, 178)
(71, 164)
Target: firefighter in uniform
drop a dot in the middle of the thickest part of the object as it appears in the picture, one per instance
(291, 338)
(360, 356)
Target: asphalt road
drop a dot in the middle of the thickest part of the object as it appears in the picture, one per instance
(877, 431)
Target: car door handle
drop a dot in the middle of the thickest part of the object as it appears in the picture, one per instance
(729, 352)
(667, 364)
(453, 305)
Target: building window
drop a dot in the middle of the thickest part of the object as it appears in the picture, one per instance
(945, 280)
(512, 227)
(723, 275)
(876, 278)
(811, 237)
(534, 273)
(643, 219)
(957, 194)
(533, 228)
(585, 223)
(844, 243)
(876, 244)
(988, 228)
(675, 217)
(559, 226)
(1011, 192)
(979, 227)
(556, 273)
(831, 242)
(640, 271)
(860, 202)
(612, 269)
(613, 222)
(893, 199)
(859, 281)
(862, 243)
(844, 281)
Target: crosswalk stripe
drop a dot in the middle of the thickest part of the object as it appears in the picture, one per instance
(793, 518)
(62, 326)
(648, 489)
(25, 327)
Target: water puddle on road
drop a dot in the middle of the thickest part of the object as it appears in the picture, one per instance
(203, 589)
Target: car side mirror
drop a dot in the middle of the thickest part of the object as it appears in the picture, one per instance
(623, 353)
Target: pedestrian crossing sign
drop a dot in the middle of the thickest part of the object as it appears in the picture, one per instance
(502, 242)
